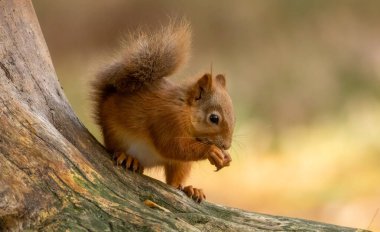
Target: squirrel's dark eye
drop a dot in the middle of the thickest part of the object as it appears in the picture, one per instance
(214, 118)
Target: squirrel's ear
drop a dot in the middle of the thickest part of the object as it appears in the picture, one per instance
(221, 80)
(202, 86)
(205, 82)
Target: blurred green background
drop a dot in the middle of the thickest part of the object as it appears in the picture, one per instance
(305, 80)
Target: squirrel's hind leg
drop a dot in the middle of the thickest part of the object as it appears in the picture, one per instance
(176, 174)
(127, 161)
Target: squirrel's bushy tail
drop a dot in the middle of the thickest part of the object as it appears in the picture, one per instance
(146, 58)
(151, 56)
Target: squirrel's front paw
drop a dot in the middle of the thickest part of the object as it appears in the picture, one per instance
(219, 158)
(128, 162)
(196, 194)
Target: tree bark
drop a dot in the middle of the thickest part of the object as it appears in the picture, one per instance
(54, 176)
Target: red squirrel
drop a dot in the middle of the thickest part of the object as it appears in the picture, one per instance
(149, 121)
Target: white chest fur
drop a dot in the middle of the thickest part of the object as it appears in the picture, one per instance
(143, 151)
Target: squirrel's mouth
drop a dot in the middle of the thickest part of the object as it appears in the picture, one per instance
(204, 140)
(208, 142)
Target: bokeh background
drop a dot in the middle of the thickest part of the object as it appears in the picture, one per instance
(305, 80)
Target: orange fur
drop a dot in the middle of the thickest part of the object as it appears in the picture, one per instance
(177, 172)
(156, 121)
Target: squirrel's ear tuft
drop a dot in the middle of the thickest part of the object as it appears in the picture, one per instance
(221, 80)
(202, 86)
(205, 82)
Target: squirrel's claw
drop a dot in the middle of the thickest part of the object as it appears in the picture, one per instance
(130, 163)
(135, 165)
(120, 158)
(196, 194)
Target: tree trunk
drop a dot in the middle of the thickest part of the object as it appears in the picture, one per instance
(54, 176)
